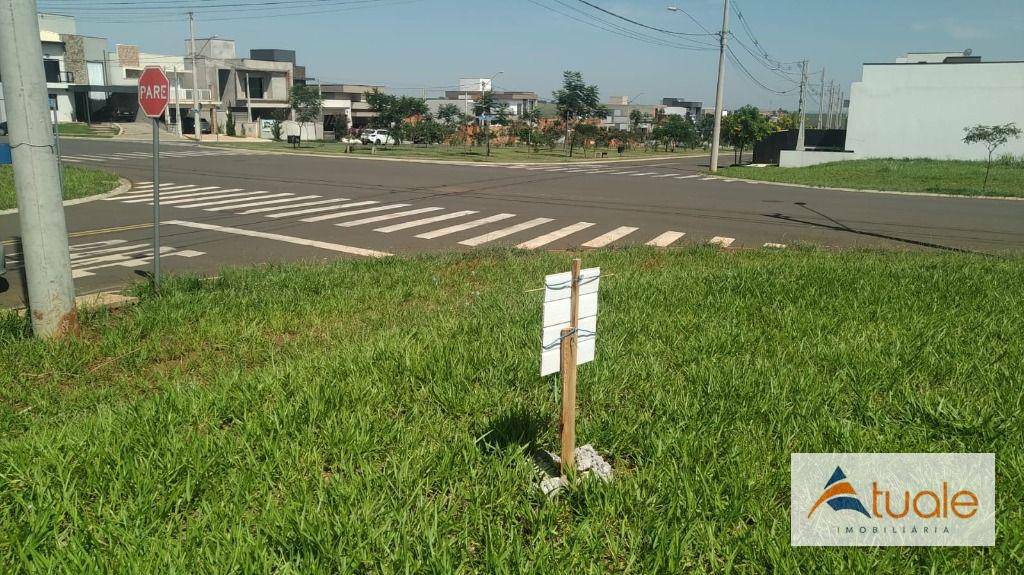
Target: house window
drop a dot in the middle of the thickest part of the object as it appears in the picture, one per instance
(255, 91)
(52, 70)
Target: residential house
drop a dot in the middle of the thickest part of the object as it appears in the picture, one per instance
(348, 100)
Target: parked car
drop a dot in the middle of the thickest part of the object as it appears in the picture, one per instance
(3, 128)
(188, 125)
(377, 137)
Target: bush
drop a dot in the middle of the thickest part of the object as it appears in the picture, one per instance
(231, 124)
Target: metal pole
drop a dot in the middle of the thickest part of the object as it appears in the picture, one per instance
(44, 234)
(56, 148)
(156, 204)
(821, 96)
(177, 103)
(195, 90)
(803, 117)
(717, 132)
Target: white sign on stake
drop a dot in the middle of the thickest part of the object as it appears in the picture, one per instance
(557, 315)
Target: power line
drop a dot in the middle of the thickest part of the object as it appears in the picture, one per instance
(589, 16)
(642, 25)
(347, 6)
(753, 78)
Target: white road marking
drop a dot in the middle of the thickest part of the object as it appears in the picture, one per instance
(352, 213)
(424, 221)
(666, 239)
(187, 198)
(72, 160)
(249, 205)
(705, 179)
(83, 255)
(619, 173)
(322, 209)
(775, 246)
(722, 241)
(148, 196)
(605, 239)
(236, 199)
(644, 174)
(687, 177)
(665, 175)
(281, 238)
(144, 182)
(386, 217)
(552, 236)
(497, 234)
(300, 205)
(132, 261)
(465, 226)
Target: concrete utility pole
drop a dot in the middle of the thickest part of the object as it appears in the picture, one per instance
(717, 131)
(803, 116)
(821, 96)
(195, 91)
(44, 234)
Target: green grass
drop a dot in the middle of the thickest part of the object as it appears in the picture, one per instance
(78, 183)
(517, 154)
(73, 129)
(952, 177)
(375, 416)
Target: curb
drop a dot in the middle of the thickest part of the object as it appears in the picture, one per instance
(123, 186)
(459, 162)
(110, 300)
(866, 191)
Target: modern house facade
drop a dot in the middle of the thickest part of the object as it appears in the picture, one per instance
(919, 106)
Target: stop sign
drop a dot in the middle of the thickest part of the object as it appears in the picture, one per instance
(154, 91)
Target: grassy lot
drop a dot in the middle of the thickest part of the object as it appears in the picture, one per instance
(374, 416)
(78, 183)
(458, 153)
(952, 177)
(93, 131)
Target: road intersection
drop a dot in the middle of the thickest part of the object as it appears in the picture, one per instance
(226, 206)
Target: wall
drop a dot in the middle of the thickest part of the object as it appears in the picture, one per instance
(921, 110)
(795, 159)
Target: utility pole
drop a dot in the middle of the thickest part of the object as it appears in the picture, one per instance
(44, 234)
(831, 103)
(177, 103)
(717, 132)
(821, 96)
(195, 91)
(803, 116)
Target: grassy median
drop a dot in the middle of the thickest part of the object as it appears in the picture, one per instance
(953, 177)
(511, 154)
(376, 416)
(78, 183)
(75, 129)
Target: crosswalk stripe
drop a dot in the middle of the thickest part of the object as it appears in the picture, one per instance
(666, 239)
(552, 236)
(229, 193)
(352, 213)
(775, 246)
(194, 192)
(722, 241)
(424, 221)
(705, 179)
(293, 206)
(144, 182)
(235, 199)
(251, 204)
(728, 180)
(141, 191)
(465, 226)
(605, 239)
(145, 196)
(498, 234)
(687, 177)
(386, 217)
(322, 209)
(665, 176)
(83, 256)
(73, 161)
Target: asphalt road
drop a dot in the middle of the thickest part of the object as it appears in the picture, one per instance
(224, 207)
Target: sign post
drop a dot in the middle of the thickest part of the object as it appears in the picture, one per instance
(154, 92)
(569, 340)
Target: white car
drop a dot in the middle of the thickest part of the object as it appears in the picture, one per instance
(377, 137)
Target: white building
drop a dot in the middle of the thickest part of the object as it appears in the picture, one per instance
(918, 107)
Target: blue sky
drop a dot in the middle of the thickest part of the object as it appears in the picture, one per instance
(431, 43)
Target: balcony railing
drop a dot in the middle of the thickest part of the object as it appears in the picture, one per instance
(184, 95)
(59, 77)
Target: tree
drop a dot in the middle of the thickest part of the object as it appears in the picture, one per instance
(276, 116)
(786, 121)
(231, 124)
(576, 101)
(392, 110)
(676, 130)
(307, 103)
(485, 106)
(340, 126)
(743, 127)
(992, 137)
(706, 129)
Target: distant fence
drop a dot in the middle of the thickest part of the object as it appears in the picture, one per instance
(767, 150)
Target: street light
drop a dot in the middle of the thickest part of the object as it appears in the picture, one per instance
(716, 133)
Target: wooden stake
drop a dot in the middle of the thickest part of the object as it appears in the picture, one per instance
(568, 344)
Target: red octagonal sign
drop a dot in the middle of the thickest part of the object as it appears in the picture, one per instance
(154, 91)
